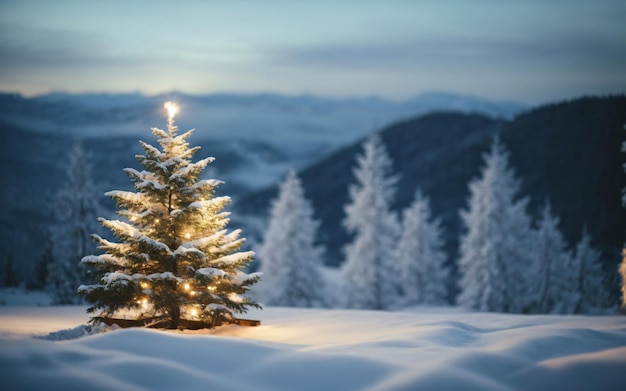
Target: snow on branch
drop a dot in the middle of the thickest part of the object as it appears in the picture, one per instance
(129, 231)
(151, 150)
(105, 244)
(88, 288)
(235, 258)
(199, 165)
(129, 196)
(116, 278)
(159, 133)
(211, 272)
(218, 307)
(212, 202)
(103, 259)
(203, 242)
(171, 162)
(204, 183)
(181, 138)
(155, 244)
(121, 227)
(147, 179)
(233, 235)
(240, 279)
(186, 251)
(162, 276)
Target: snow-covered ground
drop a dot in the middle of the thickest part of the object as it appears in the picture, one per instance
(312, 349)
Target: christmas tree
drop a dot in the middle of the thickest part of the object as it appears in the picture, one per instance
(174, 259)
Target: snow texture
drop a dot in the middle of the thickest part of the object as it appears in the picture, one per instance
(422, 348)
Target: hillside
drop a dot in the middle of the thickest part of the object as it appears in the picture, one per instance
(568, 153)
(438, 153)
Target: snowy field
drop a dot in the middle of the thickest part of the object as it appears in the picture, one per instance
(300, 349)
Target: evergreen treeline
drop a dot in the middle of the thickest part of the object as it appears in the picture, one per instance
(506, 263)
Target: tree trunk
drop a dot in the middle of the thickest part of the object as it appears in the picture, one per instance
(174, 317)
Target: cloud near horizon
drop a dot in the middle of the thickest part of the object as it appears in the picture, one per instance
(522, 52)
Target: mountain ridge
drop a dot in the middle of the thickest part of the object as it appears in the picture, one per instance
(565, 152)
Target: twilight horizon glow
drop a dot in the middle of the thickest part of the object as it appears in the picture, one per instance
(531, 51)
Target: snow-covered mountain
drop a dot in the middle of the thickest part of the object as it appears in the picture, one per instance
(567, 153)
(271, 133)
(255, 139)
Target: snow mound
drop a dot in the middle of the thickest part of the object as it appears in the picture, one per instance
(77, 332)
(314, 349)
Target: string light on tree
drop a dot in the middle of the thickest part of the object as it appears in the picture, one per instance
(170, 193)
(172, 110)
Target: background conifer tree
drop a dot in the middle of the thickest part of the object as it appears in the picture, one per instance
(174, 258)
(593, 295)
(75, 210)
(10, 274)
(557, 275)
(622, 266)
(43, 264)
(290, 260)
(494, 257)
(424, 276)
(370, 274)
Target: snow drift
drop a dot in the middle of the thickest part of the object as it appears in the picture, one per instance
(436, 348)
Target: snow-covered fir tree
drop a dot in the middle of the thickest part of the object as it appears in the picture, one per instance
(10, 274)
(558, 276)
(174, 259)
(624, 167)
(75, 210)
(494, 261)
(622, 266)
(622, 271)
(290, 260)
(423, 274)
(593, 295)
(43, 268)
(370, 275)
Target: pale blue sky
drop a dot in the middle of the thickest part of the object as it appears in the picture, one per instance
(530, 51)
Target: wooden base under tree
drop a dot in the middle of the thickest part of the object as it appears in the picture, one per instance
(186, 324)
